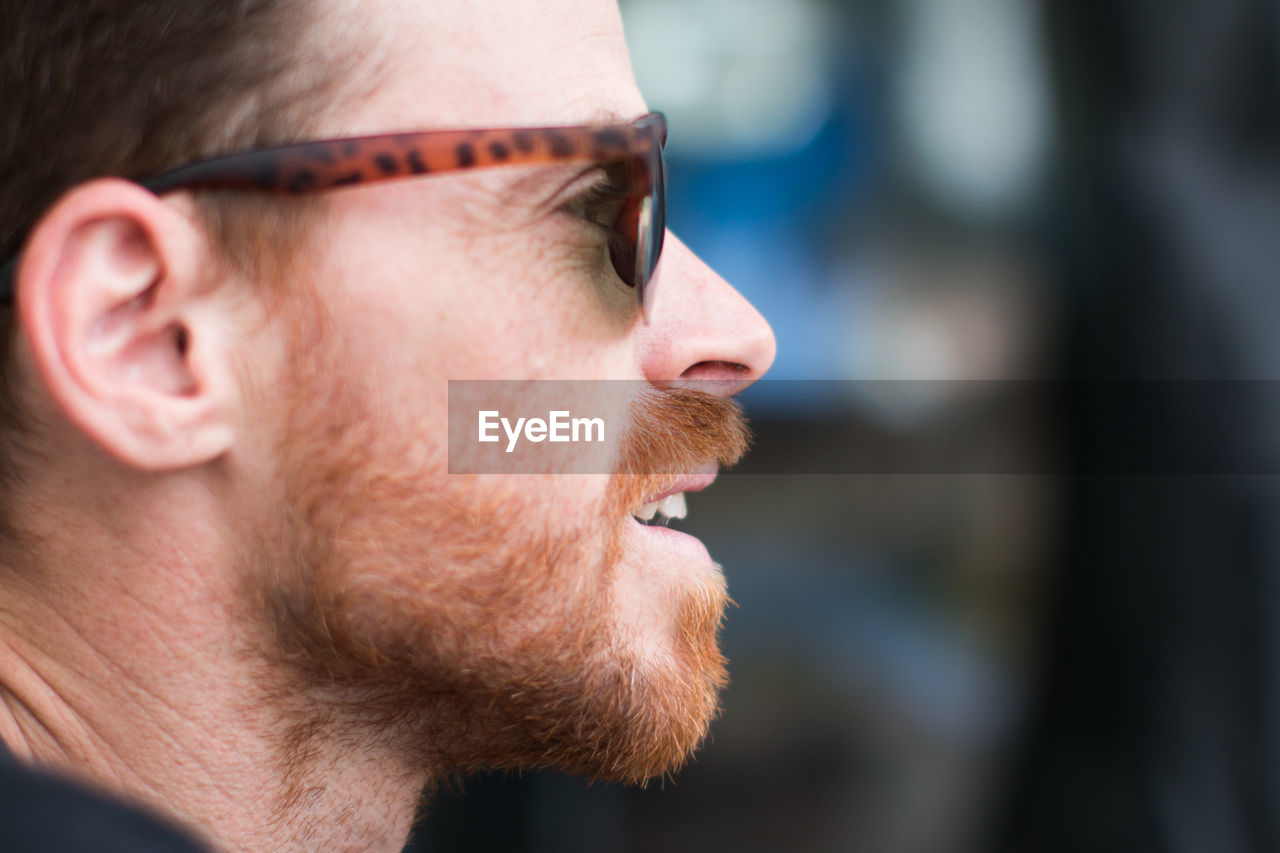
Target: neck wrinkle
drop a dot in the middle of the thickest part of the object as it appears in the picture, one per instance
(236, 750)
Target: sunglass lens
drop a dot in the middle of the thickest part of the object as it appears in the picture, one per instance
(656, 225)
(642, 225)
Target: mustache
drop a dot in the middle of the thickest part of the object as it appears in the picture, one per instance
(675, 432)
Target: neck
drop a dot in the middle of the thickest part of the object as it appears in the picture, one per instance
(140, 671)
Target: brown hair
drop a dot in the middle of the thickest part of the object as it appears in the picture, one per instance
(131, 88)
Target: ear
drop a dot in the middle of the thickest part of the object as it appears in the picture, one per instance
(116, 306)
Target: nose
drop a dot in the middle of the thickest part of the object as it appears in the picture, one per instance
(701, 331)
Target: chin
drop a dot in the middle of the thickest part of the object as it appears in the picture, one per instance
(590, 647)
(636, 698)
(671, 601)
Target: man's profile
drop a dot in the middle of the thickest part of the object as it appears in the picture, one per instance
(247, 244)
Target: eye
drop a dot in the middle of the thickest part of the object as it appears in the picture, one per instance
(601, 204)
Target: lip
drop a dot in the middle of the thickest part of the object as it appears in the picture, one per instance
(655, 543)
(694, 482)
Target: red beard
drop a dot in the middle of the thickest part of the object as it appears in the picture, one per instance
(447, 613)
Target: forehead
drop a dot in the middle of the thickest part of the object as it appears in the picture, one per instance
(475, 63)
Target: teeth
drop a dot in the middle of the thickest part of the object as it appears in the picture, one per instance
(672, 506)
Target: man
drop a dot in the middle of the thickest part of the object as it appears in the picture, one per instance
(240, 587)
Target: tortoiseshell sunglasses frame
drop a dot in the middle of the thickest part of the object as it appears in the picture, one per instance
(319, 165)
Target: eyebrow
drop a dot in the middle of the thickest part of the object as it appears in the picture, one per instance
(608, 115)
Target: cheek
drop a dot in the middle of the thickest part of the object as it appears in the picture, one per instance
(536, 308)
(400, 544)
(512, 562)
(430, 304)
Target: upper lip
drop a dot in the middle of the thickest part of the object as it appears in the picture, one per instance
(694, 482)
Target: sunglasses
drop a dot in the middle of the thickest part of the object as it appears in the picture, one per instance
(630, 154)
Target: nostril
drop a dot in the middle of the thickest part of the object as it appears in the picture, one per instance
(721, 378)
(717, 370)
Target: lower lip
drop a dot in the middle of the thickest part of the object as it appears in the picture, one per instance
(675, 543)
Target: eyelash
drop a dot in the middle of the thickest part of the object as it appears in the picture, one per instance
(605, 197)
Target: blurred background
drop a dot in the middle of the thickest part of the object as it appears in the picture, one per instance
(966, 625)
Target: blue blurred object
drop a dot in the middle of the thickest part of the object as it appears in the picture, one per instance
(761, 224)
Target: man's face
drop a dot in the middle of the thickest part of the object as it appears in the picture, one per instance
(519, 620)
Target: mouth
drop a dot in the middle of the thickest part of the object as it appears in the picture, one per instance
(670, 503)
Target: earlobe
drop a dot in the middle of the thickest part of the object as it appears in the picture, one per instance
(113, 303)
